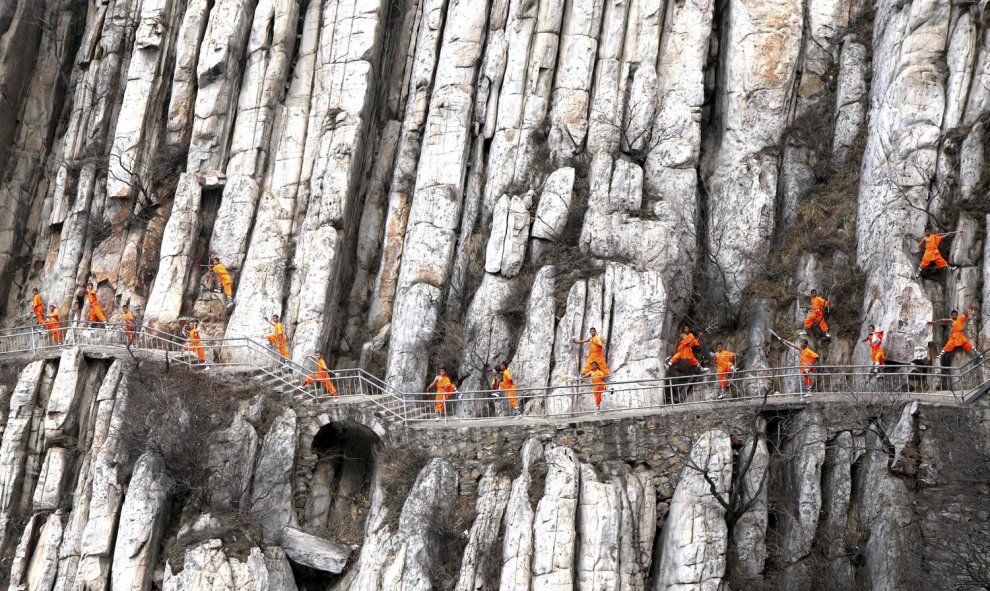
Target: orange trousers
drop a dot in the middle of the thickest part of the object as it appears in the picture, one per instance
(323, 378)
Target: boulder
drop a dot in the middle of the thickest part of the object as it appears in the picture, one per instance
(314, 552)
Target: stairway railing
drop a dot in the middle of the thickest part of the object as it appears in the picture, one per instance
(571, 398)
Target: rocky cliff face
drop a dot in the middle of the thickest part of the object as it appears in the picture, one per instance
(114, 476)
(422, 182)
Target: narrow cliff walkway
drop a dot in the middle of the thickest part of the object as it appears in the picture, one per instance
(769, 389)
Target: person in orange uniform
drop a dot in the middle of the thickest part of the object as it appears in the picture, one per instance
(877, 355)
(277, 336)
(596, 352)
(808, 359)
(444, 390)
(817, 313)
(598, 376)
(130, 324)
(95, 310)
(322, 375)
(224, 279)
(931, 243)
(685, 350)
(957, 338)
(504, 382)
(53, 322)
(724, 365)
(194, 343)
(38, 306)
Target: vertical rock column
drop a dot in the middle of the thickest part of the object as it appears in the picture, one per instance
(757, 79)
(907, 103)
(263, 280)
(270, 51)
(340, 114)
(691, 554)
(141, 525)
(435, 212)
(406, 159)
(555, 523)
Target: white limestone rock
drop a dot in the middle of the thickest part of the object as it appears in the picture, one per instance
(183, 97)
(493, 496)
(55, 474)
(232, 452)
(748, 549)
(531, 363)
(177, 252)
(435, 211)
(692, 552)
(517, 549)
(850, 98)
(554, 205)
(599, 519)
(572, 83)
(907, 103)
(141, 525)
(314, 552)
(510, 232)
(61, 416)
(271, 495)
(555, 523)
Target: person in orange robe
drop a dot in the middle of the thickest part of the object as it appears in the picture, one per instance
(194, 343)
(931, 243)
(53, 322)
(598, 376)
(130, 324)
(685, 350)
(817, 313)
(444, 390)
(596, 352)
(95, 310)
(224, 279)
(38, 306)
(277, 336)
(808, 359)
(322, 375)
(504, 382)
(957, 338)
(877, 355)
(724, 365)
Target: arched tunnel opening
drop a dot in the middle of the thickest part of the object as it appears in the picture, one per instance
(340, 492)
(341, 488)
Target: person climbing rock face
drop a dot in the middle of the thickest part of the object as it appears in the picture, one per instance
(816, 313)
(685, 350)
(95, 310)
(932, 254)
(957, 336)
(596, 352)
(130, 324)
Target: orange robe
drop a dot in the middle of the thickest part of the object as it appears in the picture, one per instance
(957, 338)
(53, 324)
(322, 375)
(598, 385)
(445, 389)
(685, 350)
(39, 308)
(877, 354)
(808, 359)
(224, 278)
(277, 338)
(596, 354)
(509, 387)
(129, 324)
(723, 365)
(195, 345)
(932, 254)
(818, 304)
(95, 311)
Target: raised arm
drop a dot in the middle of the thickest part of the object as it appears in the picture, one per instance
(433, 383)
(581, 341)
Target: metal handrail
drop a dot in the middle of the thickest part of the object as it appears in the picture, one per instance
(568, 398)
